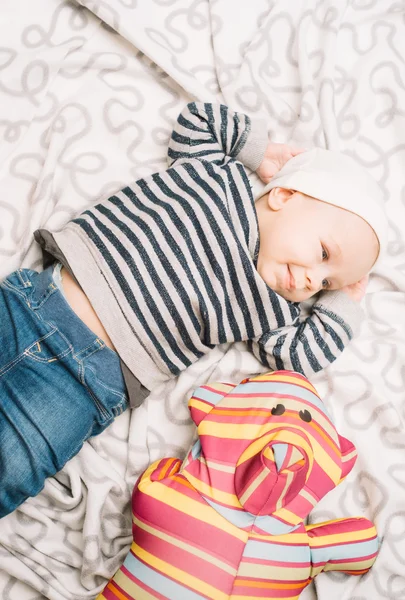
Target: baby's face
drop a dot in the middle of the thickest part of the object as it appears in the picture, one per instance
(307, 245)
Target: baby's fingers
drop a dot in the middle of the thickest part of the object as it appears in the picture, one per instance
(296, 151)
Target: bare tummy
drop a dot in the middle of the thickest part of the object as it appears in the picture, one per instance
(80, 304)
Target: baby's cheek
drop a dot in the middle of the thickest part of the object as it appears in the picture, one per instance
(266, 272)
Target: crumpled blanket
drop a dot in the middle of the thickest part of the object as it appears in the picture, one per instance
(88, 94)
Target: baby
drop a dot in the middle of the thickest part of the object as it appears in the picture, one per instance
(179, 262)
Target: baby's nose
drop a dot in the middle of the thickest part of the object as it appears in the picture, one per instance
(313, 279)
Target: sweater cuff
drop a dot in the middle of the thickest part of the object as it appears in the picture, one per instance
(344, 308)
(255, 146)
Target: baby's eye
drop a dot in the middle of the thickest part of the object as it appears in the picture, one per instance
(325, 283)
(325, 254)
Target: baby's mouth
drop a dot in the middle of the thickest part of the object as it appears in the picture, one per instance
(290, 281)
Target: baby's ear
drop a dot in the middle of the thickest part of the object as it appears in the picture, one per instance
(205, 397)
(278, 197)
(349, 456)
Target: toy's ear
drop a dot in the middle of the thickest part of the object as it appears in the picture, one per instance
(349, 456)
(205, 397)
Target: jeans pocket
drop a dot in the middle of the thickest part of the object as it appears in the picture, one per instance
(109, 398)
(50, 347)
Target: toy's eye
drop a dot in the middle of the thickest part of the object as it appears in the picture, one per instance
(305, 415)
(278, 410)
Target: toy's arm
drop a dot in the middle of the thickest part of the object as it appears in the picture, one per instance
(164, 468)
(158, 470)
(348, 545)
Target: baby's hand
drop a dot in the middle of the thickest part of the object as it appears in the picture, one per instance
(275, 157)
(357, 290)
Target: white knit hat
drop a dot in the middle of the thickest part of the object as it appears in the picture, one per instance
(337, 179)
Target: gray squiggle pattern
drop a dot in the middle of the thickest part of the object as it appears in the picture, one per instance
(88, 94)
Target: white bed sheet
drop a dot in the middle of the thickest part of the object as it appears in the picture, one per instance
(88, 95)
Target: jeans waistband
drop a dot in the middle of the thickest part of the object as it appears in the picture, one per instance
(50, 302)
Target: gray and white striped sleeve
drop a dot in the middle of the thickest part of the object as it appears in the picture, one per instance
(310, 345)
(214, 132)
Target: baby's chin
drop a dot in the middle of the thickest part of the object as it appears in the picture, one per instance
(294, 296)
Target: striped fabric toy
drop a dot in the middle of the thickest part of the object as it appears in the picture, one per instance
(227, 523)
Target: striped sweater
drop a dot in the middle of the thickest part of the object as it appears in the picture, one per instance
(169, 263)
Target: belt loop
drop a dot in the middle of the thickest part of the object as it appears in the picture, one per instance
(23, 276)
(43, 287)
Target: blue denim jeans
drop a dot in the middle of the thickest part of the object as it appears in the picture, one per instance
(59, 384)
